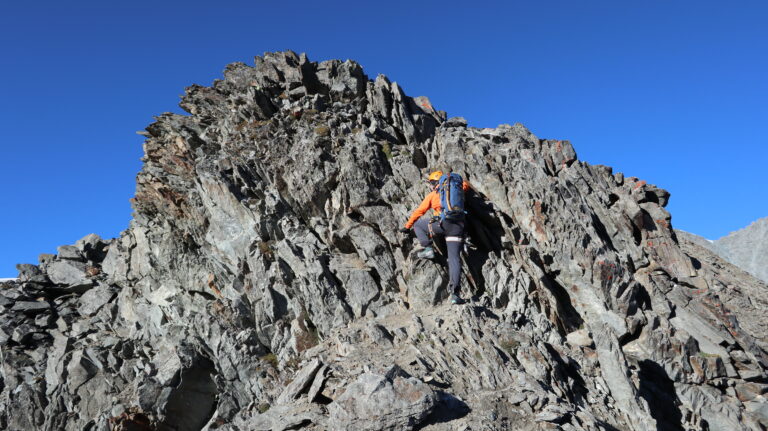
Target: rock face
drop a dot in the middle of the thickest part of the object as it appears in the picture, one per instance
(262, 283)
(744, 296)
(746, 248)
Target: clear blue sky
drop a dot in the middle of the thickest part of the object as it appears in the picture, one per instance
(674, 92)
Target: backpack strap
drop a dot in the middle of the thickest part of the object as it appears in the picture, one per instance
(447, 186)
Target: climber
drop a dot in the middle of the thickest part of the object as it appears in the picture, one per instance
(449, 224)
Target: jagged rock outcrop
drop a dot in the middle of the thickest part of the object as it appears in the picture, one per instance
(262, 283)
(746, 248)
(744, 296)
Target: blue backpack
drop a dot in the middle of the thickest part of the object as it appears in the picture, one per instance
(451, 192)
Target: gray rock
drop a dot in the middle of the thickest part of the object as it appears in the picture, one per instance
(31, 273)
(286, 417)
(758, 410)
(742, 296)
(31, 307)
(68, 272)
(92, 247)
(745, 248)
(44, 320)
(553, 413)
(54, 371)
(317, 383)
(80, 369)
(23, 333)
(393, 401)
(44, 259)
(264, 236)
(92, 300)
(455, 122)
(69, 252)
(301, 382)
(580, 337)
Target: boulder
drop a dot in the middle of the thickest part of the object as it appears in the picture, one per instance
(92, 300)
(31, 273)
(392, 400)
(68, 273)
(69, 252)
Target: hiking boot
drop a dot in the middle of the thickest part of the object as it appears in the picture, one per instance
(468, 245)
(456, 299)
(426, 253)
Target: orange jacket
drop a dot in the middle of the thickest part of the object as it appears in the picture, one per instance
(431, 202)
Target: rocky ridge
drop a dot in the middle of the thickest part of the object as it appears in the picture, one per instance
(262, 283)
(746, 248)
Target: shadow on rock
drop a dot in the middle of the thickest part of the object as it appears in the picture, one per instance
(192, 402)
(448, 408)
(659, 391)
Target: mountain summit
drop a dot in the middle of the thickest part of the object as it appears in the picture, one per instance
(263, 285)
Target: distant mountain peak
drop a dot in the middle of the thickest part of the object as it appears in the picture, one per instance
(746, 248)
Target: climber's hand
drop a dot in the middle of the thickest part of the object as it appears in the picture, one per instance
(405, 230)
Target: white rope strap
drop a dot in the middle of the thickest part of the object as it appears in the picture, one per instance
(453, 239)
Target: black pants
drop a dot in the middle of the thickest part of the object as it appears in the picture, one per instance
(454, 240)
